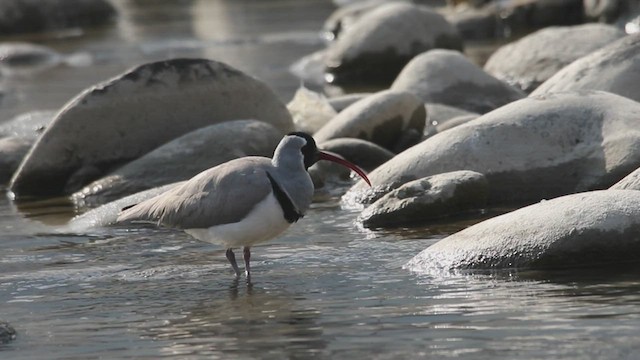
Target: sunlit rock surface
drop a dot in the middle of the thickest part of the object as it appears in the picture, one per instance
(614, 68)
(310, 110)
(384, 39)
(448, 77)
(580, 230)
(392, 119)
(126, 117)
(440, 117)
(428, 199)
(183, 158)
(528, 62)
(535, 148)
(629, 182)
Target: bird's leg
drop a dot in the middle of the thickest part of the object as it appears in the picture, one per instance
(232, 259)
(246, 251)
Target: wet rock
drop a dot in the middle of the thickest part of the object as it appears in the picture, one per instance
(439, 118)
(7, 332)
(20, 57)
(427, 199)
(310, 110)
(383, 40)
(614, 68)
(183, 158)
(530, 61)
(16, 138)
(581, 230)
(108, 213)
(448, 77)
(25, 16)
(391, 119)
(522, 16)
(535, 148)
(475, 24)
(134, 113)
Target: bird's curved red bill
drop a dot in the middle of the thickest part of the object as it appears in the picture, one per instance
(323, 155)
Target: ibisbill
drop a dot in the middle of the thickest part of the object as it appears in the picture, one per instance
(242, 202)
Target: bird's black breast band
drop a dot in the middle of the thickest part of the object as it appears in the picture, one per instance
(290, 213)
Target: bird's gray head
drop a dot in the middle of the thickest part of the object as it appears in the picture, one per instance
(299, 145)
(303, 146)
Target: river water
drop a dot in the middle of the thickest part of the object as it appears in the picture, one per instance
(327, 289)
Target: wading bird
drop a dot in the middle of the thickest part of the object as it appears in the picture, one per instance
(244, 201)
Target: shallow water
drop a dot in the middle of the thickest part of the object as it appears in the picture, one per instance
(326, 289)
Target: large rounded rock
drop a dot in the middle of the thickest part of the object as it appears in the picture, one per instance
(629, 182)
(532, 60)
(392, 119)
(24, 16)
(428, 199)
(128, 116)
(383, 40)
(183, 158)
(580, 230)
(614, 68)
(440, 117)
(448, 77)
(535, 148)
(16, 138)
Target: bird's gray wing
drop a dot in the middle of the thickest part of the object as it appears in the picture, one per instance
(221, 195)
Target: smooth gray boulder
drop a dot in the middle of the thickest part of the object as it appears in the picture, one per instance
(342, 102)
(107, 214)
(183, 158)
(384, 39)
(535, 148)
(392, 119)
(447, 77)
(580, 230)
(27, 16)
(16, 138)
(7, 332)
(439, 118)
(123, 118)
(533, 59)
(614, 68)
(428, 199)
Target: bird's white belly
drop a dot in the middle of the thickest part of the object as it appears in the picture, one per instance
(263, 223)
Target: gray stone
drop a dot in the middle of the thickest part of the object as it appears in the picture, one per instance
(342, 102)
(629, 182)
(614, 68)
(448, 77)
(107, 214)
(7, 332)
(310, 110)
(580, 230)
(183, 158)
(16, 138)
(439, 118)
(365, 154)
(132, 114)
(533, 59)
(384, 39)
(27, 16)
(535, 148)
(428, 199)
(392, 119)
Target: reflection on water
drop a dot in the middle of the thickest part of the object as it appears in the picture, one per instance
(322, 291)
(326, 289)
